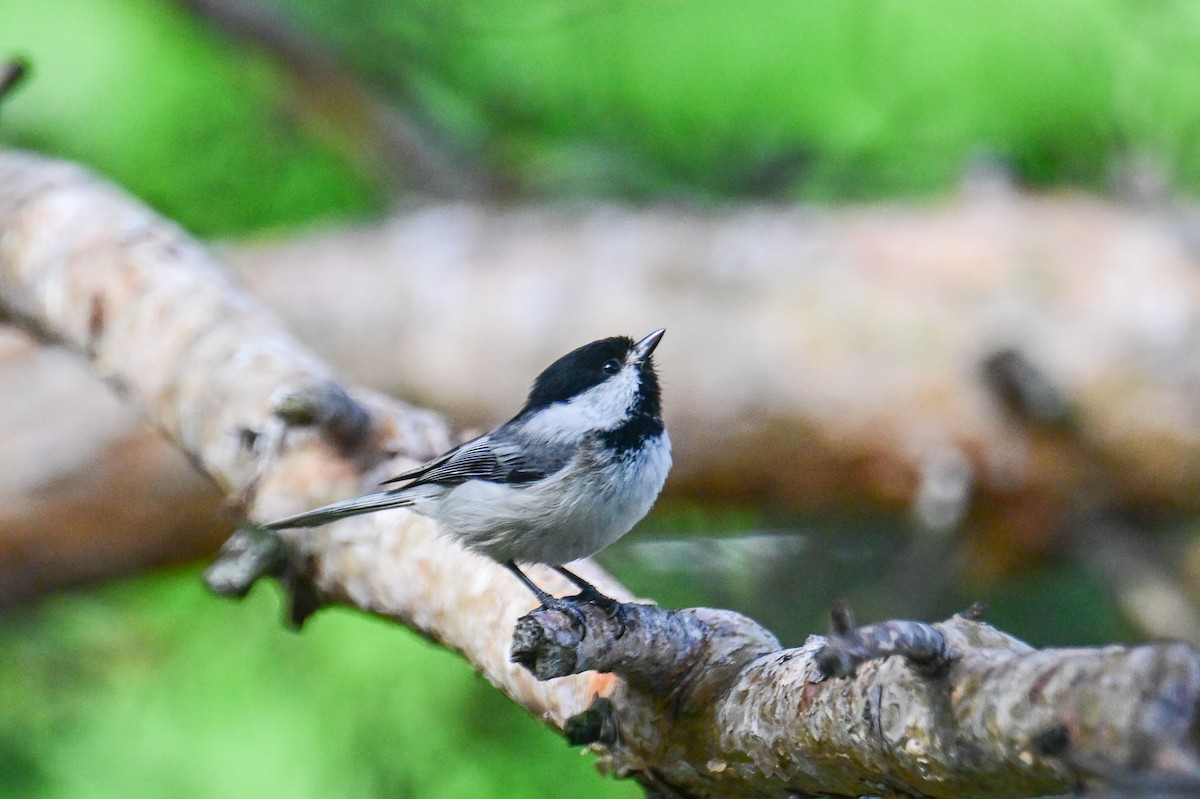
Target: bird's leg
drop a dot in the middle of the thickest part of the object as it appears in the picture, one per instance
(548, 601)
(589, 592)
(542, 596)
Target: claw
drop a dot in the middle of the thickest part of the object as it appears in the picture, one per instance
(612, 608)
(568, 606)
(593, 597)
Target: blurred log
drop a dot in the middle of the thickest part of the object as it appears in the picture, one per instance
(706, 703)
(822, 361)
(826, 362)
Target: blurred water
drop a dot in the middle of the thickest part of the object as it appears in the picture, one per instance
(786, 578)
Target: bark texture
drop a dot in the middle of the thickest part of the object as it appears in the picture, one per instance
(710, 701)
(706, 705)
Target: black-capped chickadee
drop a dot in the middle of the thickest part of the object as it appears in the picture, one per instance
(574, 471)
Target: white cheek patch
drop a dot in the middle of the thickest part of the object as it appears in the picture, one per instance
(602, 407)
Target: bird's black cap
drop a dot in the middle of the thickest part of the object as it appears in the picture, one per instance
(577, 371)
(583, 368)
(590, 365)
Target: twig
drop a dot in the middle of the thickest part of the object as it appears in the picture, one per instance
(11, 74)
(849, 647)
(407, 152)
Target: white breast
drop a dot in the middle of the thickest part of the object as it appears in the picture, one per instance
(575, 513)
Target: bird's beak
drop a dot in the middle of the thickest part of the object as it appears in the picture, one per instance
(641, 351)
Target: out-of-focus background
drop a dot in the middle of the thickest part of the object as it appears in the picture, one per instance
(930, 275)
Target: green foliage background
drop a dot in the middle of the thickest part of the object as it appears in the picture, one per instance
(154, 688)
(196, 126)
(785, 98)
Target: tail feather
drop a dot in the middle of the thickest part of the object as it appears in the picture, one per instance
(342, 510)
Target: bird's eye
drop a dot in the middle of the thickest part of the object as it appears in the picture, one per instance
(611, 367)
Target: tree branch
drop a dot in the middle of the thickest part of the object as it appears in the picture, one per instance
(83, 265)
(963, 711)
(704, 702)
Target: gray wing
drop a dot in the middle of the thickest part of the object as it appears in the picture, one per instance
(495, 457)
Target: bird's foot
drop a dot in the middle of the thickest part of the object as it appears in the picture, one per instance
(590, 593)
(569, 606)
(592, 596)
(613, 608)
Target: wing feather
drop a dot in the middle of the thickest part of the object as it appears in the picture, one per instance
(482, 458)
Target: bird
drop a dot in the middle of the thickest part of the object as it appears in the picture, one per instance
(580, 464)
